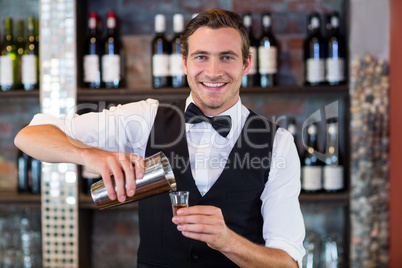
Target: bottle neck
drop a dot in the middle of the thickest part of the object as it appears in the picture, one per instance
(315, 25)
(8, 30)
(111, 24)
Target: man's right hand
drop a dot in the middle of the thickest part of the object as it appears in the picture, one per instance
(117, 170)
(49, 144)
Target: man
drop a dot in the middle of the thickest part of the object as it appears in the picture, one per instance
(242, 211)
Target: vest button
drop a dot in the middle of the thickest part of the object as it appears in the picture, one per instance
(194, 255)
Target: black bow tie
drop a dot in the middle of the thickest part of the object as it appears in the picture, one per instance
(221, 123)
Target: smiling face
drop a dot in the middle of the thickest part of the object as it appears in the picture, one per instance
(214, 68)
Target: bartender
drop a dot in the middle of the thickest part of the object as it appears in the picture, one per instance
(243, 177)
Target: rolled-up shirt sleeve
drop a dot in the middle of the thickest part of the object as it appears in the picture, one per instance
(123, 128)
(283, 221)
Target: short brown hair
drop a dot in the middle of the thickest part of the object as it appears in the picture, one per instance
(215, 19)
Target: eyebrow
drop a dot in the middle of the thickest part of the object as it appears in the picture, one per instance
(202, 52)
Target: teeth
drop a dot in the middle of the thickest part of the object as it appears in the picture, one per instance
(213, 84)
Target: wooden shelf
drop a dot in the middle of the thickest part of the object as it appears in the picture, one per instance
(172, 94)
(338, 198)
(86, 202)
(19, 95)
(7, 197)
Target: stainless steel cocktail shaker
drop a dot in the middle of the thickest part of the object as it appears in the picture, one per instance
(158, 178)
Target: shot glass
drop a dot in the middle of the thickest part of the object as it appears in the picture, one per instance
(179, 199)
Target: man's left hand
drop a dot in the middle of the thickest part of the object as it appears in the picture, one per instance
(204, 223)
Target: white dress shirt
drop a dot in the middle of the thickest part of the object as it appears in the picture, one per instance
(127, 127)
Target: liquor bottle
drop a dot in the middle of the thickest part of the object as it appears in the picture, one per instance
(8, 58)
(312, 243)
(36, 174)
(23, 167)
(314, 52)
(311, 166)
(333, 177)
(91, 60)
(335, 61)
(111, 60)
(88, 178)
(30, 59)
(251, 79)
(267, 54)
(292, 129)
(175, 59)
(160, 55)
(20, 46)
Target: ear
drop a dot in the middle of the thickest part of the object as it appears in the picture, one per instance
(247, 64)
(184, 63)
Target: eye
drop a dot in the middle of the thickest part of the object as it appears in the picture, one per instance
(200, 57)
(226, 58)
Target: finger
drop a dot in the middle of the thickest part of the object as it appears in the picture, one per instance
(199, 236)
(139, 165)
(119, 180)
(129, 177)
(199, 219)
(200, 210)
(109, 184)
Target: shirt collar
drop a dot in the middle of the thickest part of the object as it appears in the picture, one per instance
(235, 113)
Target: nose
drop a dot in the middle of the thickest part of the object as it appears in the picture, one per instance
(213, 69)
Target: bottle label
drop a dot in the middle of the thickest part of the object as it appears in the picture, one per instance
(315, 70)
(333, 178)
(6, 70)
(28, 67)
(253, 68)
(335, 69)
(91, 68)
(267, 58)
(311, 178)
(176, 65)
(110, 68)
(160, 65)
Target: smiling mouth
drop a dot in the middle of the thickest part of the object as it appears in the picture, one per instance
(220, 84)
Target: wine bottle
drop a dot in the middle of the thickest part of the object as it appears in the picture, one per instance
(311, 166)
(20, 46)
(251, 79)
(292, 129)
(91, 59)
(333, 177)
(111, 60)
(267, 54)
(160, 55)
(36, 174)
(8, 58)
(30, 59)
(23, 167)
(314, 52)
(175, 59)
(335, 61)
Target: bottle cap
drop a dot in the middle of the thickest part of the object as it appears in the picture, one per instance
(247, 20)
(315, 22)
(111, 20)
(312, 129)
(92, 20)
(178, 23)
(335, 22)
(266, 20)
(160, 23)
